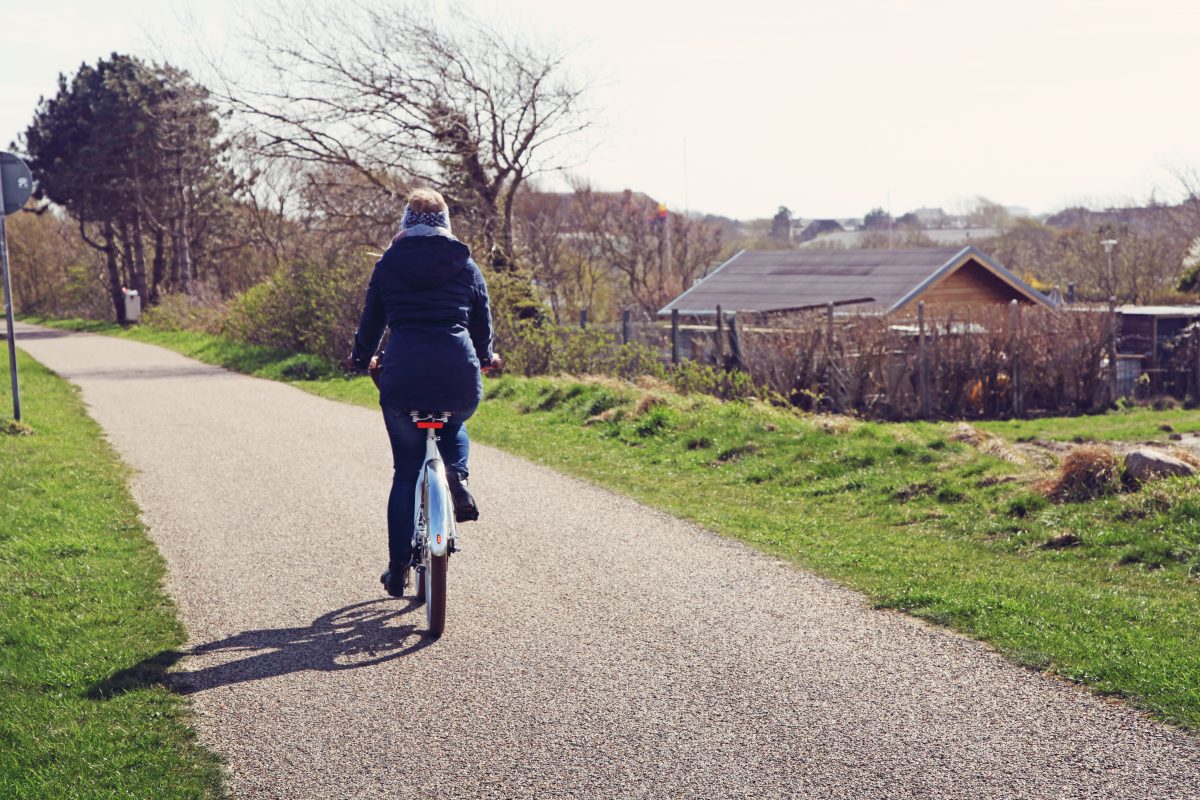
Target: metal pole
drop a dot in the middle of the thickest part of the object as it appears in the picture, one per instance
(1113, 385)
(8, 315)
(667, 222)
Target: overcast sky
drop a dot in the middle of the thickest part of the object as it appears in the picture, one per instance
(829, 108)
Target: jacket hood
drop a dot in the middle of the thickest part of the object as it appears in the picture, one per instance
(426, 262)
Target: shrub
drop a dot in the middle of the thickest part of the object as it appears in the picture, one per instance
(202, 311)
(1085, 474)
(690, 377)
(307, 306)
(536, 346)
(870, 364)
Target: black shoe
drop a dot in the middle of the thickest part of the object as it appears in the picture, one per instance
(465, 509)
(395, 581)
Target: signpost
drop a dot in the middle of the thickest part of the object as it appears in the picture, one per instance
(16, 184)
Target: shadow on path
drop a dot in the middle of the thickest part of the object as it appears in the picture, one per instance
(359, 635)
(40, 334)
(138, 374)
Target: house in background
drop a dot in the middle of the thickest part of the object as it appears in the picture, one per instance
(1152, 341)
(870, 281)
(945, 237)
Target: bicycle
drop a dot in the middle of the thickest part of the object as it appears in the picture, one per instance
(434, 531)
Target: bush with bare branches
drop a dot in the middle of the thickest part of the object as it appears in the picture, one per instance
(978, 364)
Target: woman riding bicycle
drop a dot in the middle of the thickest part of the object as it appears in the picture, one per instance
(431, 294)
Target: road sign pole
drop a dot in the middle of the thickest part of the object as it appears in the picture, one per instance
(8, 314)
(16, 185)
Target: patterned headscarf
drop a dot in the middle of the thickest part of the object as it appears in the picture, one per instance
(433, 219)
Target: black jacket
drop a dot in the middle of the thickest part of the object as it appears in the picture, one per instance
(430, 292)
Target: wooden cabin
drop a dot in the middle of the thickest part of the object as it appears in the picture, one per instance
(867, 280)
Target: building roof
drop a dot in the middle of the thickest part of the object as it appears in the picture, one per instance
(945, 237)
(869, 280)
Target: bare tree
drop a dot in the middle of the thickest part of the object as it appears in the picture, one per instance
(654, 258)
(385, 92)
(553, 240)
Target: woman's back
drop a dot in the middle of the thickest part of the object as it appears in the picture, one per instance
(433, 297)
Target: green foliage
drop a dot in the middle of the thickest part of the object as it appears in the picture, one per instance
(308, 307)
(1190, 281)
(86, 632)
(539, 347)
(690, 377)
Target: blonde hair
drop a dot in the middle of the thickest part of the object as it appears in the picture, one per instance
(424, 201)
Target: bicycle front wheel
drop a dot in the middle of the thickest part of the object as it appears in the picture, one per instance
(435, 594)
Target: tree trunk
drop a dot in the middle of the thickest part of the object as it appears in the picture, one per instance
(160, 263)
(127, 277)
(184, 236)
(504, 242)
(139, 257)
(174, 276)
(114, 273)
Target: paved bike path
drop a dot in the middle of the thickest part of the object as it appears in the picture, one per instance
(594, 647)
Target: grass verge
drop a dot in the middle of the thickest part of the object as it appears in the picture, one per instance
(1102, 592)
(85, 629)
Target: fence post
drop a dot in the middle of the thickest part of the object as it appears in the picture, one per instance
(583, 319)
(923, 366)
(720, 350)
(829, 330)
(735, 342)
(674, 335)
(625, 315)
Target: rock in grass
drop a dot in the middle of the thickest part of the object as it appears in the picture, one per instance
(1144, 465)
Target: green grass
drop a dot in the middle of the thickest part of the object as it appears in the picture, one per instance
(1127, 425)
(85, 629)
(918, 522)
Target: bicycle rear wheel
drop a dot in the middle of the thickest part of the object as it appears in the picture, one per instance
(435, 595)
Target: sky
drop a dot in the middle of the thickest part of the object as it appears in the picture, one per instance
(828, 108)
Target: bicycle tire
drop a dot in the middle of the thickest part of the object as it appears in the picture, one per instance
(435, 595)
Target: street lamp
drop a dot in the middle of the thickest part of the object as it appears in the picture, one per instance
(1108, 245)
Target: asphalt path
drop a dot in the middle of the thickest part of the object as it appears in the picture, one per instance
(594, 648)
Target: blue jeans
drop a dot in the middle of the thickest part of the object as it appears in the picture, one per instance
(408, 453)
